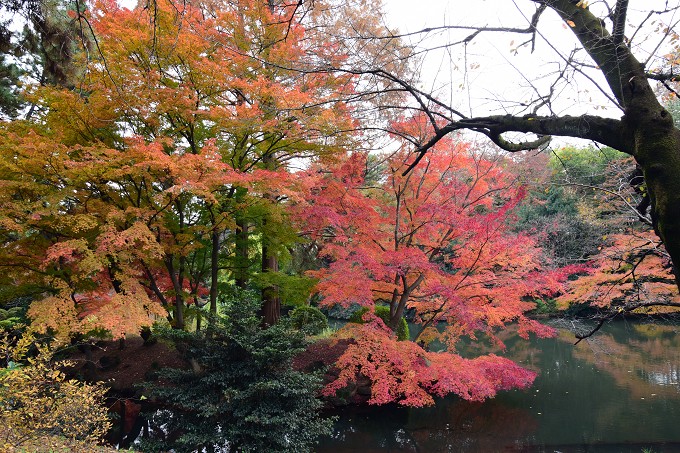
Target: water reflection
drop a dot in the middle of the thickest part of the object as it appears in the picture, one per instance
(617, 391)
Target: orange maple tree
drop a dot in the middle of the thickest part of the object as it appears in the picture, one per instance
(208, 70)
(632, 272)
(119, 197)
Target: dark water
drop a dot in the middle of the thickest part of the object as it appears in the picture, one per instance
(618, 391)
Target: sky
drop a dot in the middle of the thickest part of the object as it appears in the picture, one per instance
(478, 77)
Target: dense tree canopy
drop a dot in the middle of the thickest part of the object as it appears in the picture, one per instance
(177, 152)
(437, 243)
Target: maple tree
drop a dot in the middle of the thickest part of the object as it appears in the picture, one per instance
(91, 235)
(121, 197)
(261, 114)
(436, 241)
(631, 273)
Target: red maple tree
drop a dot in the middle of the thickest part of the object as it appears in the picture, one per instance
(437, 242)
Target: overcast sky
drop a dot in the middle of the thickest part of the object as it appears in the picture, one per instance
(478, 77)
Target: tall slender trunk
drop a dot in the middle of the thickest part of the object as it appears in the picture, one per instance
(271, 301)
(177, 288)
(214, 268)
(199, 318)
(241, 263)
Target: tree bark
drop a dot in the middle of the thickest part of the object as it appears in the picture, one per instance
(241, 253)
(214, 270)
(398, 305)
(271, 302)
(176, 286)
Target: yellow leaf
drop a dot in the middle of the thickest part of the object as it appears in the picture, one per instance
(571, 23)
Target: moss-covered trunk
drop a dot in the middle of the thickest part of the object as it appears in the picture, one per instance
(657, 150)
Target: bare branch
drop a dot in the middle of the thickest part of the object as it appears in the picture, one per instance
(664, 76)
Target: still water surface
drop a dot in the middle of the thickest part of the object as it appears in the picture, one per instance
(618, 391)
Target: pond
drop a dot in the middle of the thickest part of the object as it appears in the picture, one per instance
(617, 391)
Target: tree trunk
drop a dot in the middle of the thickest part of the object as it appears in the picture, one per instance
(397, 311)
(271, 302)
(657, 151)
(241, 263)
(176, 286)
(214, 268)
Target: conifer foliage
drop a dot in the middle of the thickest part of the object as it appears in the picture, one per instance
(242, 393)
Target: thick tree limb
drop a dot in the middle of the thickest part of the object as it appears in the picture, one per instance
(607, 131)
(619, 21)
(664, 76)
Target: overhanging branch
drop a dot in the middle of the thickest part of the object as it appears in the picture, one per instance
(606, 131)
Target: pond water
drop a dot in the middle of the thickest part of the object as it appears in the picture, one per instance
(617, 391)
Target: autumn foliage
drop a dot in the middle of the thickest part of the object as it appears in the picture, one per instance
(631, 272)
(403, 372)
(202, 144)
(40, 408)
(435, 242)
(117, 202)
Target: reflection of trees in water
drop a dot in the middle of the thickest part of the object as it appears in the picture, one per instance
(370, 429)
(469, 426)
(524, 352)
(452, 425)
(643, 358)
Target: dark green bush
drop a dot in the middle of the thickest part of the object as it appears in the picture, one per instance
(308, 320)
(12, 317)
(241, 393)
(383, 313)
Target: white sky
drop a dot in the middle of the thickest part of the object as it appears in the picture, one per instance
(494, 71)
